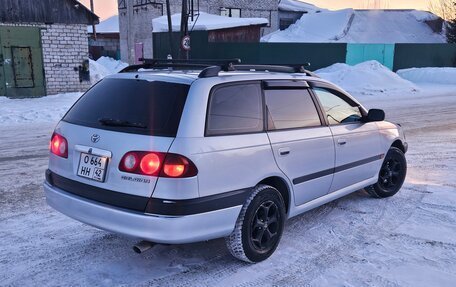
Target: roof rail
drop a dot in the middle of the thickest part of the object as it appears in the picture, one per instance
(224, 64)
(212, 67)
(214, 70)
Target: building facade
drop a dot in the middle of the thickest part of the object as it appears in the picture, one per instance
(44, 47)
(106, 42)
(135, 19)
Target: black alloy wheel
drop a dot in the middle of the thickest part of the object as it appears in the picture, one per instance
(265, 226)
(259, 226)
(391, 176)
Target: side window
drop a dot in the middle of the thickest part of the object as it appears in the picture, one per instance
(235, 109)
(287, 109)
(337, 110)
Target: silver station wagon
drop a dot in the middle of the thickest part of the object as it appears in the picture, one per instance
(176, 152)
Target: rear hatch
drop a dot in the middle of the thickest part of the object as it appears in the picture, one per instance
(115, 117)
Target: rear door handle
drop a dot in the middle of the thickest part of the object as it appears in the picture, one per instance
(341, 141)
(284, 151)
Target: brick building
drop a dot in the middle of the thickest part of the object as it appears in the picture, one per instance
(135, 19)
(106, 43)
(43, 47)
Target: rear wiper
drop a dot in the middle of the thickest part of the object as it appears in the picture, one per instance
(120, 123)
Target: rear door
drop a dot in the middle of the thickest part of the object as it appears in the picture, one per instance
(357, 144)
(303, 147)
(117, 116)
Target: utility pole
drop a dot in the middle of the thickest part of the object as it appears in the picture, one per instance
(184, 30)
(93, 25)
(170, 28)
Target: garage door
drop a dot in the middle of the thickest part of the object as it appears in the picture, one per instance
(21, 62)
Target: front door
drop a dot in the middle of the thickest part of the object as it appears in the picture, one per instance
(303, 148)
(357, 144)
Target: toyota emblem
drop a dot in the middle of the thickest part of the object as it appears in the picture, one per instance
(95, 138)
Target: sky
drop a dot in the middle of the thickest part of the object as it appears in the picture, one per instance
(106, 8)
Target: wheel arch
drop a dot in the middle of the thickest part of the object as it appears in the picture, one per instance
(398, 144)
(282, 186)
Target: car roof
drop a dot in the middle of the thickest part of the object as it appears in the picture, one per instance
(189, 76)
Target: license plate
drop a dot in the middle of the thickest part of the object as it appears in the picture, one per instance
(92, 166)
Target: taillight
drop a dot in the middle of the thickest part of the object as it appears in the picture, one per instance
(177, 165)
(150, 164)
(157, 164)
(130, 161)
(59, 145)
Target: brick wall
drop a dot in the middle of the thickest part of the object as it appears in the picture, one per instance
(249, 9)
(65, 47)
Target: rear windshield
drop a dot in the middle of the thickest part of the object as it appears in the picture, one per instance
(132, 106)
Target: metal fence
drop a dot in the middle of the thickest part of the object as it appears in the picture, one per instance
(393, 56)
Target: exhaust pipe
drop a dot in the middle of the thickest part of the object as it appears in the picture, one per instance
(142, 246)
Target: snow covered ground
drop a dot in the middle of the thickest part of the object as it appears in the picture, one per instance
(51, 108)
(446, 76)
(406, 240)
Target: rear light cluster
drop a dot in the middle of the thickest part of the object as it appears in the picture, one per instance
(158, 164)
(59, 145)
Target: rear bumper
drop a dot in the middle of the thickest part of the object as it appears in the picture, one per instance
(155, 228)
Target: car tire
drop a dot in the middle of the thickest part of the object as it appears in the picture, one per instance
(259, 226)
(391, 176)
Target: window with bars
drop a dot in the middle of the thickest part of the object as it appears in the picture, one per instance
(230, 12)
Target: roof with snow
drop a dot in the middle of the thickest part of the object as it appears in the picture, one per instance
(46, 11)
(110, 25)
(205, 22)
(361, 26)
(299, 6)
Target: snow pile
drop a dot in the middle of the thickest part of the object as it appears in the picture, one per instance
(315, 27)
(205, 22)
(48, 109)
(110, 25)
(111, 64)
(103, 67)
(298, 6)
(361, 26)
(97, 71)
(366, 78)
(445, 76)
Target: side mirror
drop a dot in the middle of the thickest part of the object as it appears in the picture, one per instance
(374, 115)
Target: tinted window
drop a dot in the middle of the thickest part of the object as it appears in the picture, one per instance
(289, 109)
(337, 109)
(235, 109)
(134, 106)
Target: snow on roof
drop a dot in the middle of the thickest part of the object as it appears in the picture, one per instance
(110, 25)
(361, 26)
(377, 26)
(328, 26)
(298, 6)
(205, 22)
